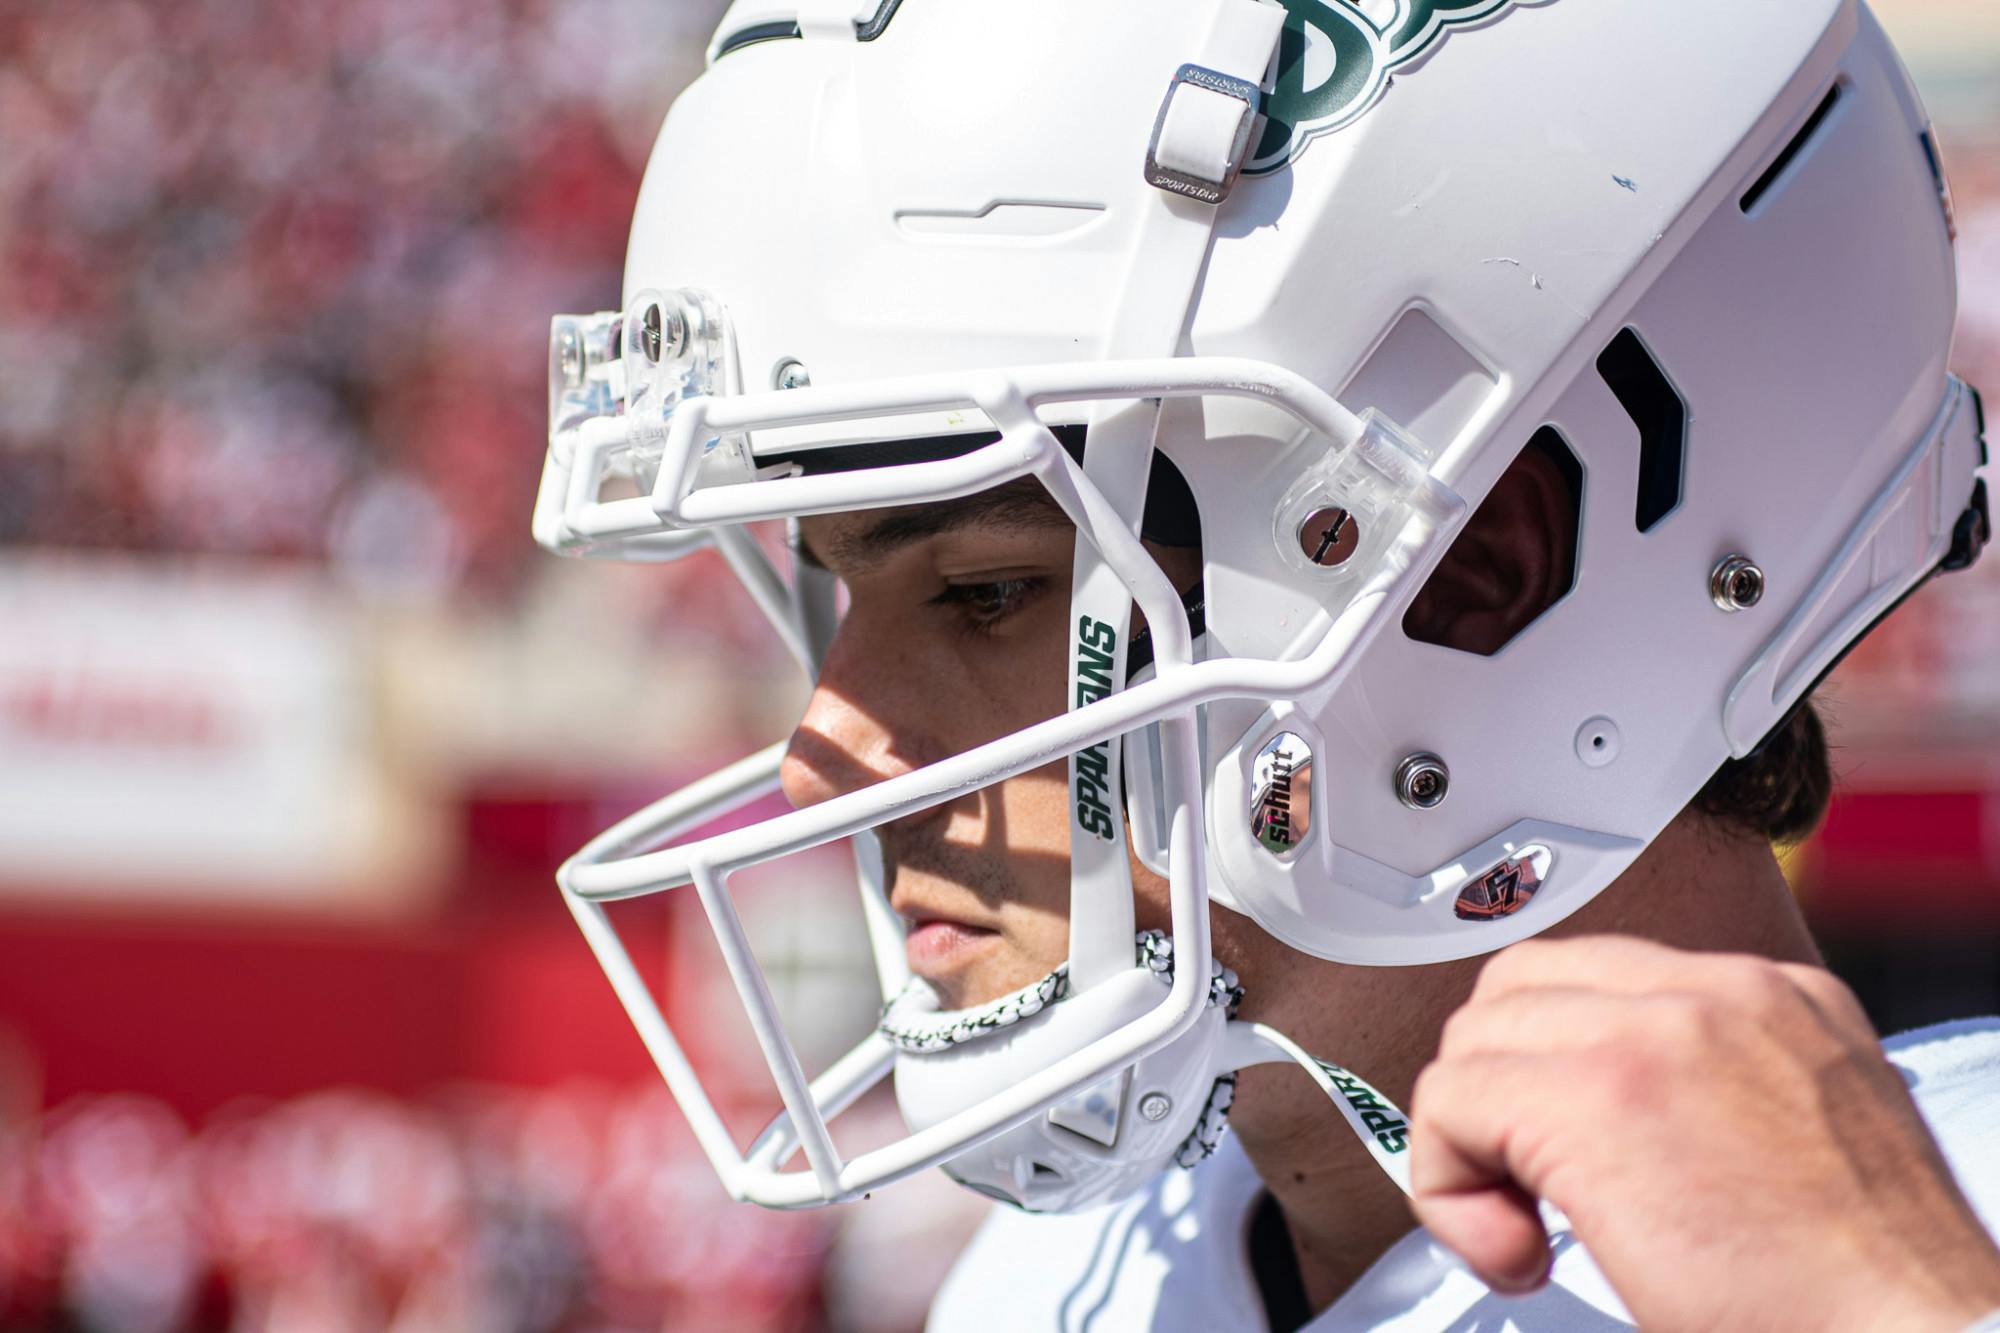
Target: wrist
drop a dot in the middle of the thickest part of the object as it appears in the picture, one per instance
(1971, 1308)
(1959, 1300)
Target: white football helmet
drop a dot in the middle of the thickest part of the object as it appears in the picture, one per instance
(1339, 262)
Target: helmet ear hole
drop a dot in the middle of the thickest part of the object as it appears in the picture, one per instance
(1515, 559)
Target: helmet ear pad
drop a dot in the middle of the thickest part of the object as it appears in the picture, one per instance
(1514, 559)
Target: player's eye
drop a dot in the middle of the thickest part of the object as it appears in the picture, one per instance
(982, 607)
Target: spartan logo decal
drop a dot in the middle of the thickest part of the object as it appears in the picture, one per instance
(1336, 57)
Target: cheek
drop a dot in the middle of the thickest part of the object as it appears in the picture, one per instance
(1038, 943)
(1004, 682)
(1030, 816)
(1026, 820)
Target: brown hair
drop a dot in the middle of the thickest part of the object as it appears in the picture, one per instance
(1778, 792)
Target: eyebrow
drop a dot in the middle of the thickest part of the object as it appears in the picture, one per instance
(1023, 502)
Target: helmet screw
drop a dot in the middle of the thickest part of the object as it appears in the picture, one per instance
(791, 374)
(1736, 584)
(1155, 1105)
(1328, 536)
(651, 323)
(1422, 781)
(662, 332)
(569, 355)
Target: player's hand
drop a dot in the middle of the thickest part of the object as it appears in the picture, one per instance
(1723, 1132)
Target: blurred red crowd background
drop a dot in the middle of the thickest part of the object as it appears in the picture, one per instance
(295, 721)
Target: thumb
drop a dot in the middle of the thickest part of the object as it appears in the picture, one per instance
(1496, 1229)
(1461, 1186)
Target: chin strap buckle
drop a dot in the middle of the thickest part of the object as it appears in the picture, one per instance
(1212, 111)
(1202, 133)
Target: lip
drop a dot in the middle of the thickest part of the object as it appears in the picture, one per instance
(938, 945)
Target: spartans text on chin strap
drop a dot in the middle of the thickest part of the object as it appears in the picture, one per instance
(1378, 1122)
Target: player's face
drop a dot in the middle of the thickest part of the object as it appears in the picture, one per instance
(954, 636)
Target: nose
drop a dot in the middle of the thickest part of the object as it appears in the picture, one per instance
(855, 730)
(836, 748)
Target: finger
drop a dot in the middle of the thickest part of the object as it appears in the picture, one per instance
(1613, 963)
(1619, 965)
(1497, 1231)
(1543, 1021)
(1464, 1187)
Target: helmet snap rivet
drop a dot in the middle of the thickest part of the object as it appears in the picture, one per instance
(1736, 584)
(1155, 1105)
(1422, 781)
(790, 374)
(1328, 536)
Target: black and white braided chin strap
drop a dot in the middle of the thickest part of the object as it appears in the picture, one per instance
(931, 1032)
(928, 1033)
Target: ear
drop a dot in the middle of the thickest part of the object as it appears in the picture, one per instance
(1515, 557)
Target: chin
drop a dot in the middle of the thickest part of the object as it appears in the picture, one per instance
(985, 981)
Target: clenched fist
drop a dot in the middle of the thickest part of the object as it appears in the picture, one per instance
(1722, 1131)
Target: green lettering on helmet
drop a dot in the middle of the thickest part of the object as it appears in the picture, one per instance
(1090, 770)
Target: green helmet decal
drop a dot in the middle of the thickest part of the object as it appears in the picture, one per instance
(1333, 61)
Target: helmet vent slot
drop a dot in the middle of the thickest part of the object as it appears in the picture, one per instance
(1649, 398)
(1800, 142)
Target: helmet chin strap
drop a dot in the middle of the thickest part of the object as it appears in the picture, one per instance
(1378, 1122)
(1163, 275)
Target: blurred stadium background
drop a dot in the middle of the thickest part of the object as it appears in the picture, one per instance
(295, 721)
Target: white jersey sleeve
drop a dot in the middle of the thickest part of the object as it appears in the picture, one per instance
(1953, 1071)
